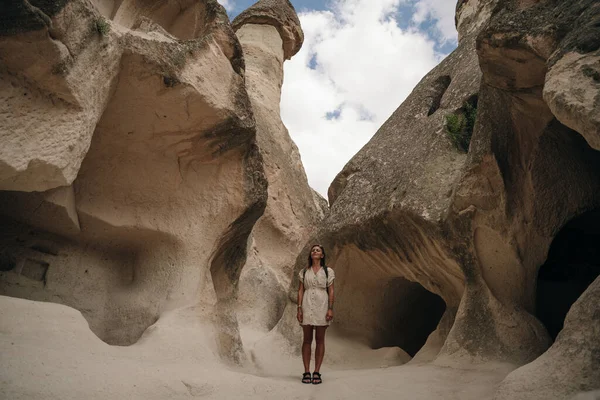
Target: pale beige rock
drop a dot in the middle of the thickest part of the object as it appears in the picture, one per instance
(50, 98)
(150, 240)
(507, 207)
(170, 187)
(572, 90)
(472, 229)
(64, 76)
(262, 295)
(383, 226)
(64, 198)
(279, 14)
(293, 210)
(472, 15)
(570, 365)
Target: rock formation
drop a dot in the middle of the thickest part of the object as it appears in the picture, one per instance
(508, 206)
(474, 228)
(140, 146)
(270, 33)
(146, 180)
(384, 228)
(570, 365)
(134, 179)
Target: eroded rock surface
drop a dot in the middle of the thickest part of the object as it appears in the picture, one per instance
(386, 209)
(473, 228)
(570, 365)
(148, 182)
(162, 181)
(279, 14)
(521, 148)
(270, 33)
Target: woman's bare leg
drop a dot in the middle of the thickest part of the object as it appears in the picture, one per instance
(320, 350)
(307, 330)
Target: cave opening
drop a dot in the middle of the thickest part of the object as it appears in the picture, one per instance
(438, 89)
(573, 263)
(409, 314)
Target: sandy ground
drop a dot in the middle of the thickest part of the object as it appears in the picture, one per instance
(48, 352)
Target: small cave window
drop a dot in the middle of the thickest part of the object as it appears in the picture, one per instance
(7, 262)
(438, 89)
(409, 314)
(573, 264)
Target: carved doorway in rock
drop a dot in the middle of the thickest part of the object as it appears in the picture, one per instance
(572, 265)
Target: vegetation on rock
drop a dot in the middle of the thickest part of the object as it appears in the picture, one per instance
(459, 125)
(102, 26)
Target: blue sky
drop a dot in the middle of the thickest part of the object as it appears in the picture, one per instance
(403, 16)
(300, 6)
(359, 61)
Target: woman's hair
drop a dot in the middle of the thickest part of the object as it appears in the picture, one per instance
(310, 252)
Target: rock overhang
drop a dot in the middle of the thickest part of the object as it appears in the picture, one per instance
(280, 14)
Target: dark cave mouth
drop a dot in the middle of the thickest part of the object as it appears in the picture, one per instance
(409, 314)
(573, 263)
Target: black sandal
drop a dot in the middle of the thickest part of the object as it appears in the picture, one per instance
(306, 378)
(316, 378)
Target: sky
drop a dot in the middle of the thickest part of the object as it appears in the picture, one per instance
(359, 61)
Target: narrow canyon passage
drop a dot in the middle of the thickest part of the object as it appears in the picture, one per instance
(156, 211)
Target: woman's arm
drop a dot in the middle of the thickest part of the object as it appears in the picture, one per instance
(300, 297)
(329, 315)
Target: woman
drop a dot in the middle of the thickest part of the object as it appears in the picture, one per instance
(315, 309)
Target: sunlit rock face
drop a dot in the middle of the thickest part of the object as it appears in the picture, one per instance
(541, 175)
(549, 165)
(386, 228)
(143, 137)
(130, 167)
(147, 181)
(279, 14)
(270, 33)
(472, 15)
(473, 228)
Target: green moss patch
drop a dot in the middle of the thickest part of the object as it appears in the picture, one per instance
(460, 125)
(102, 26)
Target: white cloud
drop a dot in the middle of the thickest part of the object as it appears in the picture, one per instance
(364, 66)
(440, 10)
(228, 4)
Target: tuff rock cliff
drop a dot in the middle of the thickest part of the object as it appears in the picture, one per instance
(440, 248)
(270, 33)
(149, 186)
(141, 146)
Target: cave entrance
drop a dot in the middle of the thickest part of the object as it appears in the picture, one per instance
(573, 264)
(409, 314)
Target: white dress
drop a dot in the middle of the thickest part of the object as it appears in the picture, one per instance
(316, 300)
